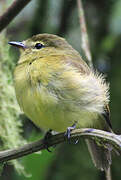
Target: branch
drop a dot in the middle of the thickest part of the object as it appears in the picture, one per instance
(12, 12)
(102, 136)
(84, 35)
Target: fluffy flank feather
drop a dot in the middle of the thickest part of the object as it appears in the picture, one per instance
(96, 92)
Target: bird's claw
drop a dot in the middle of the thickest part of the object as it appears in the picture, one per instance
(45, 141)
(68, 133)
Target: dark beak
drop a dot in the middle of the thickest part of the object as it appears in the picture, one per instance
(17, 44)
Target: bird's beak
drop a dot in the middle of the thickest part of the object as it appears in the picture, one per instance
(17, 44)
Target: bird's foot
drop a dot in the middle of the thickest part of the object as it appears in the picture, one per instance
(45, 141)
(68, 133)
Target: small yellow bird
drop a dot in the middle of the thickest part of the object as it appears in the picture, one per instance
(55, 88)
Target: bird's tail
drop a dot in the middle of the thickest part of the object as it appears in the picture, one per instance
(101, 156)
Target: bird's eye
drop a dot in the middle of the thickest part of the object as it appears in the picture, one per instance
(39, 46)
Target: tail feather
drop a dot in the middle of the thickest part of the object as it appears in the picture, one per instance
(101, 156)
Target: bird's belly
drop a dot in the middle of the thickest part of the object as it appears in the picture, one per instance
(47, 106)
(49, 112)
(44, 109)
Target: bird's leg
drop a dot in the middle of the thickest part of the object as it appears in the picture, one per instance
(46, 137)
(69, 129)
(68, 133)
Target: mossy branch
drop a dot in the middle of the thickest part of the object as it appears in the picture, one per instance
(12, 12)
(102, 136)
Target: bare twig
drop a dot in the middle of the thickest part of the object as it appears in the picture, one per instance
(84, 35)
(102, 136)
(12, 12)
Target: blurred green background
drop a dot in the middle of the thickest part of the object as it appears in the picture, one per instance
(68, 161)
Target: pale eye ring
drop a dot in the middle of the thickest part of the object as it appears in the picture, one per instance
(39, 45)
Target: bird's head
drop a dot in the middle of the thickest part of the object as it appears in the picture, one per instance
(43, 45)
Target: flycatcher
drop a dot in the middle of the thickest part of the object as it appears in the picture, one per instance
(55, 88)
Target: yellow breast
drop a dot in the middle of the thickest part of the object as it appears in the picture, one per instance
(49, 94)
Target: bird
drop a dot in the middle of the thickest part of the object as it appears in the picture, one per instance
(56, 89)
